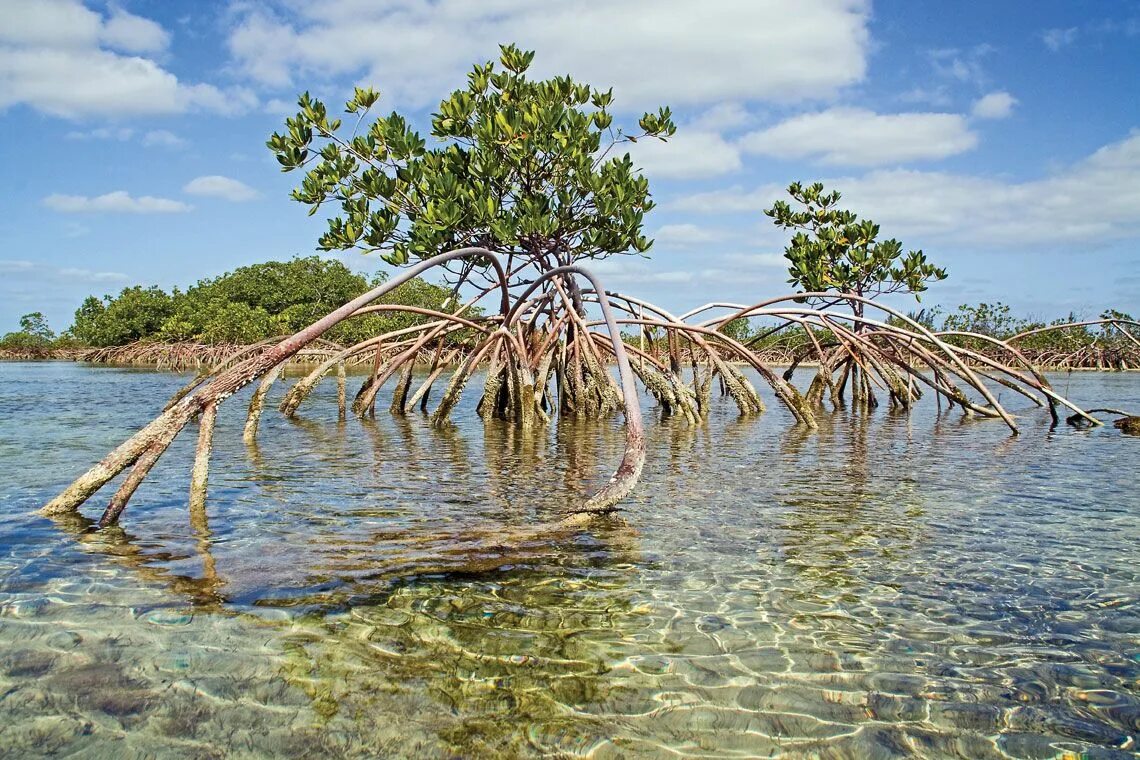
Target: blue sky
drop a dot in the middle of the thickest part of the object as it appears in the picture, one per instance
(1001, 138)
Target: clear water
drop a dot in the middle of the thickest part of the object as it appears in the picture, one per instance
(889, 586)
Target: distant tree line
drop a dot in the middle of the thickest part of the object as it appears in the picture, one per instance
(994, 320)
(251, 303)
(275, 298)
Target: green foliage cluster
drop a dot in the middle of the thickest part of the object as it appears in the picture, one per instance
(260, 301)
(34, 334)
(738, 329)
(832, 249)
(994, 320)
(997, 321)
(520, 166)
(137, 312)
(247, 305)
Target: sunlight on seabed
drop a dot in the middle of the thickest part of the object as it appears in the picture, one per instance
(884, 587)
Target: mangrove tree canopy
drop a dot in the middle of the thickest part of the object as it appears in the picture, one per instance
(34, 333)
(518, 166)
(833, 249)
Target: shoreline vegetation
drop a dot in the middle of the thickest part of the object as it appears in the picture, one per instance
(239, 312)
(1094, 356)
(256, 305)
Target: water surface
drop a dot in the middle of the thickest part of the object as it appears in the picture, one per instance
(888, 586)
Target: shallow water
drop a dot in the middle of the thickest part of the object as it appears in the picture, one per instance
(891, 586)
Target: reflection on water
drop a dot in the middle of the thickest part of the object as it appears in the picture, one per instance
(891, 586)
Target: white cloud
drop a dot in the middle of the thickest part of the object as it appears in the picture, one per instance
(119, 201)
(634, 270)
(685, 236)
(31, 270)
(54, 23)
(858, 137)
(1062, 37)
(279, 107)
(739, 283)
(936, 96)
(722, 117)
(75, 230)
(732, 200)
(122, 134)
(87, 275)
(162, 138)
(155, 137)
(995, 105)
(1055, 39)
(1094, 201)
(686, 155)
(740, 273)
(133, 34)
(232, 101)
(699, 149)
(62, 58)
(962, 65)
(70, 24)
(721, 50)
(216, 186)
(767, 260)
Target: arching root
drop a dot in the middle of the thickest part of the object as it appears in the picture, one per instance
(200, 474)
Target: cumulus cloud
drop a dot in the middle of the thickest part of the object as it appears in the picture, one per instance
(119, 201)
(70, 24)
(64, 59)
(721, 50)
(722, 117)
(1092, 202)
(686, 155)
(133, 34)
(217, 186)
(859, 137)
(699, 149)
(52, 23)
(995, 105)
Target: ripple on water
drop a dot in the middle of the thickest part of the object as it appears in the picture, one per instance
(881, 588)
